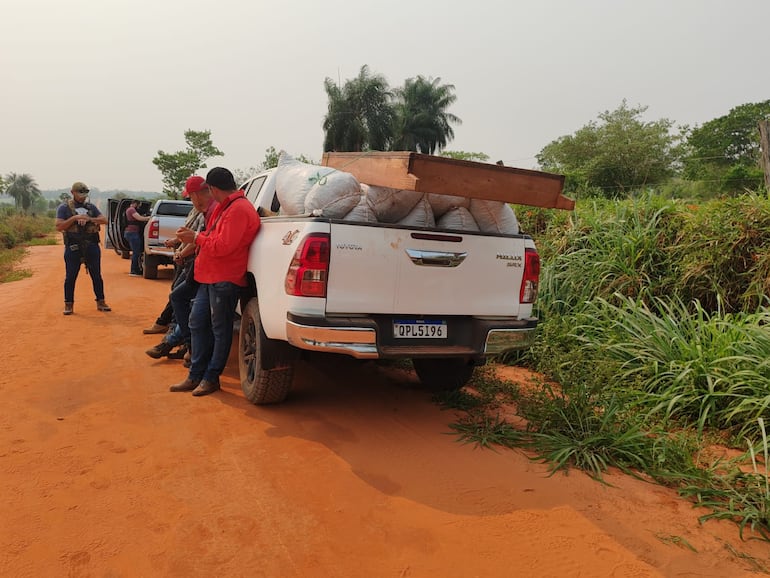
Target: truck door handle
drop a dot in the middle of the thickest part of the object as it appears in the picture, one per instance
(436, 258)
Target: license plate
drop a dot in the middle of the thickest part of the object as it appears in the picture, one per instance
(419, 329)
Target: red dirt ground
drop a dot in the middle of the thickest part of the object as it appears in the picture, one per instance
(106, 473)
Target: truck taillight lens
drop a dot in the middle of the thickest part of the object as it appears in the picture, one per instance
(531, 279)
(153, 229)
(309, 268)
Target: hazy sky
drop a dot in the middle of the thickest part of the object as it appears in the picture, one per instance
(91, 89)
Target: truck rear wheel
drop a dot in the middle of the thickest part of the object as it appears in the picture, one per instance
(150, 266)
(266, 365)
(443, 374)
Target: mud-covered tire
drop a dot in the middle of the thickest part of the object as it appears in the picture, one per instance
(440, 374)
(266, 366)
(150, 266)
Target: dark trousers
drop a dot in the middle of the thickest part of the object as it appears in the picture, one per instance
(72, 263)
(181, 300)
(166, 316)
(211, 328)
(136, 242)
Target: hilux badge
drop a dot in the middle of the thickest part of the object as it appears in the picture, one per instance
(289, 237)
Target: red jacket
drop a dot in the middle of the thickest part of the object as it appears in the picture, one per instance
(223, 248)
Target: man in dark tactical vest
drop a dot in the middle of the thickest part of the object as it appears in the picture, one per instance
(79, 222)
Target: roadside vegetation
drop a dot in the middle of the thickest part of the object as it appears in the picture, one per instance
(18, 231)
(654, 348)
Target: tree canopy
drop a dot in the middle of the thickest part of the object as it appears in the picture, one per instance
(725, 151)
(365, 114)
(23, 189)
(619, 153)
(359, 115)
(177, 167)
(423, 123)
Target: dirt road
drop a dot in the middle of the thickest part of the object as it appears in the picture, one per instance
(106, 473)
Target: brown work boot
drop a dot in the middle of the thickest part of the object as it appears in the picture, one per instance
(179, 353)
(187, 359)
(206, 387)
(187, 385)
(102, 306)
(156, 328)
(68, 310)
(160, 350)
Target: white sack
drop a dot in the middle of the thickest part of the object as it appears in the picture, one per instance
(363, 211)
(494, 216)
(390, 205)
(293, 183)
(420, 216)
(457, 219)
(335, 194)
(442, 203)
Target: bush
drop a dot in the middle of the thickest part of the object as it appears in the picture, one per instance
(8, 237)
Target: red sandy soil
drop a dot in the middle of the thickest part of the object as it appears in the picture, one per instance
(106, 473)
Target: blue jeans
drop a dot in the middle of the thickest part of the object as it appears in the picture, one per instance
(136, 242)
(181, 298)
(72, 263)
(211, 328)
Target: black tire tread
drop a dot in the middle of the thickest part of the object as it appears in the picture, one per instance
(269, 385)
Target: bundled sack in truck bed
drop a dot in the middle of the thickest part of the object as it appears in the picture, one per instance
(303, 187)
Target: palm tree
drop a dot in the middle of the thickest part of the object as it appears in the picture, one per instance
(360, 113)
(23, 189)
(422, 123)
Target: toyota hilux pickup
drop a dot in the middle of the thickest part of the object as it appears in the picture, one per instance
(344, 273)
(166, 217)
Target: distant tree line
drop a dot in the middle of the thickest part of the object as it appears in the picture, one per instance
(617, 154)
(621, 153)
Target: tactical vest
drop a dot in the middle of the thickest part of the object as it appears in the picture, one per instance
(81, 233)
(89, 227)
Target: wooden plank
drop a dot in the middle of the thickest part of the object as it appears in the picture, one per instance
(441, 175)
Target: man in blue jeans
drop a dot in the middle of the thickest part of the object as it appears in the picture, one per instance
(133, 233)
(185, 287)
(79, 222)
(220, 269)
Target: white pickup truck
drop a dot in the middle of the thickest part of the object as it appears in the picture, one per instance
(446, 299)
(166, 217)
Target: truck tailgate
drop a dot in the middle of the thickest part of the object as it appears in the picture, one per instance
(387, 270)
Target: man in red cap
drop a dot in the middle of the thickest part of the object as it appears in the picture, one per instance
(220, 269)
(166, 316)
(184, 288)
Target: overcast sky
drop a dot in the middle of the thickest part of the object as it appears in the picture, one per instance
(91, 89)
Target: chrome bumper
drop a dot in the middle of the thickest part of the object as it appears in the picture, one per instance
(502, 340)
(361, 342)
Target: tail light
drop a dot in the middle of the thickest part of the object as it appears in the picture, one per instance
(531, 279)
(153, 229)
(309, 269)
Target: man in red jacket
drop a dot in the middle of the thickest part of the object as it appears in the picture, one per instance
(220, 268)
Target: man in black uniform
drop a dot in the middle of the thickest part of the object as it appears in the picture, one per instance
(79, 222)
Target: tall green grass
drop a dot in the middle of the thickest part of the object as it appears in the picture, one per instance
(655, 326)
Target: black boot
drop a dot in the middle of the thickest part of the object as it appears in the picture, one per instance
(160, 350)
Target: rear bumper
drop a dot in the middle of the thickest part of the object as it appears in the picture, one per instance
(161, 253)
(372, 337)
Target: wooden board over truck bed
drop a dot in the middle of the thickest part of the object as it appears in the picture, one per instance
(432, 174)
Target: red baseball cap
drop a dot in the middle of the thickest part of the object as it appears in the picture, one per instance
(194, 184)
